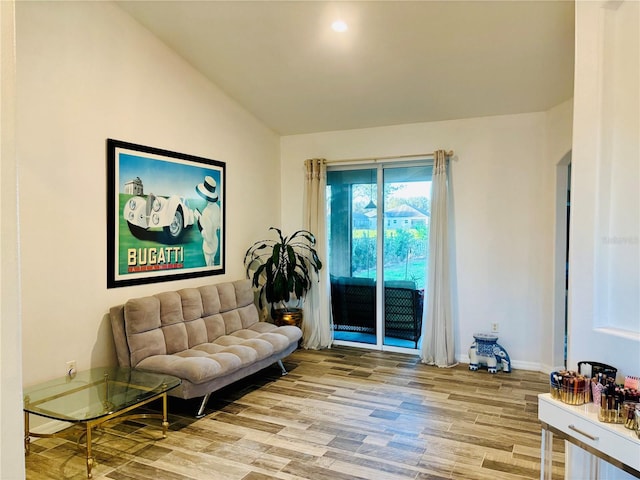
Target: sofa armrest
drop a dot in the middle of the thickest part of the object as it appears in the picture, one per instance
(116, 314)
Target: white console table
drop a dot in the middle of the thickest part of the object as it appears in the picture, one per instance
(579, 425)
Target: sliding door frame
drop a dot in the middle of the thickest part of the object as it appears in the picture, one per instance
(380, 166)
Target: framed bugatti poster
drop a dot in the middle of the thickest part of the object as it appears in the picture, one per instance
(165, 215)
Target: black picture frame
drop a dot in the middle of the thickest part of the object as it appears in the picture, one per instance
(166, 215)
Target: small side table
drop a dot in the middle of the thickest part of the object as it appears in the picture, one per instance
(486, 350)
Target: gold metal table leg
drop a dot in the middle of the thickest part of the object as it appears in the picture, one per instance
(165, 420)
(89, 456)
(27, 438)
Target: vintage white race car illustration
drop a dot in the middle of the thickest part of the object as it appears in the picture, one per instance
(170, 214)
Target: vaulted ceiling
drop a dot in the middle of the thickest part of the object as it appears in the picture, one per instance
(399, 61)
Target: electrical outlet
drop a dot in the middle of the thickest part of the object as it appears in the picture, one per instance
(71, 368)
(495, 327)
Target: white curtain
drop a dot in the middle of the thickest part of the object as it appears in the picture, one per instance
(316, 327)
(437, 327)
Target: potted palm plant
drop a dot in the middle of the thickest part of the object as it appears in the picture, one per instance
(282, 270)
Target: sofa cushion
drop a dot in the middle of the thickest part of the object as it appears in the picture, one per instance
(245, 353)
(190, 304)
(291, 332)
(146, 344)
(223, 356)
(175, 337)
(170, 308)
(227, 294)
(192, 367)
(196, 332)
(248, 315)
(142, 314)
(215, 326)
(142, 328)
(210, 299)
(232, 321)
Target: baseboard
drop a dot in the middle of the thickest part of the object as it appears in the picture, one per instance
(536, 367)
(48, 428)
(548, 369)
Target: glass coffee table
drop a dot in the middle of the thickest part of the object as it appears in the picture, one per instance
(93, 397)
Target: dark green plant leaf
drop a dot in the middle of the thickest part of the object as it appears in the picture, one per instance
(284, 267)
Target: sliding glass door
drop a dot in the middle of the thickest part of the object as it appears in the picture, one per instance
(378, 246)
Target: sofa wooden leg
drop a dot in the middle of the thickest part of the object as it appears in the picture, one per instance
(284, 370)
(205, 399)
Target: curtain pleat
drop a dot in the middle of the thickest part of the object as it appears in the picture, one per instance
(317, 324)
(438, 341)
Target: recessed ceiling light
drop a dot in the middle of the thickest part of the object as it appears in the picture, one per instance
(339, 26)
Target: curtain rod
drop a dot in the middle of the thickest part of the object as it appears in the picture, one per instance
(377, 159)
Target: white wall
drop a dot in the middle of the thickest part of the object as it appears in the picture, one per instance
(11, 424)
(88, 72)
(503, 218)
(605, 206)
(619, 169)
(558, 146)
(604, 316)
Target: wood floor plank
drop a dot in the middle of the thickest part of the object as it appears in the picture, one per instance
(340, 414)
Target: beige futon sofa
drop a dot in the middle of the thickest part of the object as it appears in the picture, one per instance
(208, 336)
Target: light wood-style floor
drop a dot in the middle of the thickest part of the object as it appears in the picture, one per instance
(340, 414)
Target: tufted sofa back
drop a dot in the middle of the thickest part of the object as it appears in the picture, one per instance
(171, 322)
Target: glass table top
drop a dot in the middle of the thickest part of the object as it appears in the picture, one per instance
(95, 393)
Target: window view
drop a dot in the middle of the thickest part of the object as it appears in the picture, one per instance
(378, 249)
